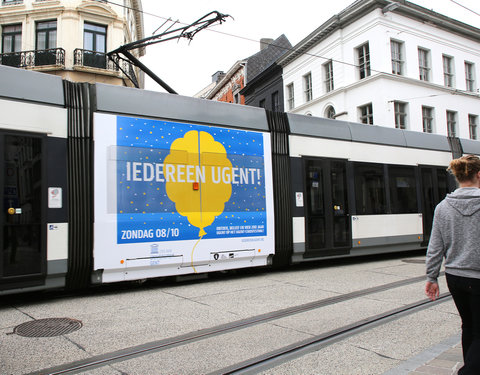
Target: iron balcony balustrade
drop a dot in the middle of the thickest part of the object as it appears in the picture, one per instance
(32, 59)
(93, 59)
(12, 2)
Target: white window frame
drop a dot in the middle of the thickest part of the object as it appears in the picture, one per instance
(427, 119)
(363, 58)
(290, 96)
(473, 126)
(396, 49)
(424, 64)
(330, 112)
(452, 123)
(366, 114)
(328, 73)
(400, 110)
(307, 87)
(469, 76)
(448, 71)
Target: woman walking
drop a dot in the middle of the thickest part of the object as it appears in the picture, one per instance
(456, 237)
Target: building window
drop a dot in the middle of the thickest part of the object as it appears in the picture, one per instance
(261, 104)
(363, 53)
(45, 43)
(427, 119)
(330, 112)
(12, 38)
(307, 86)
(328, 72)
(469, 76)
(275, 102)
(424, 64)
(451, 123)
(400, 115)
(397, 60)
(95, 38)
(46, 35)
(12, 2)
(290, 96)
(95, 45)
(366, 114)
(472, 126)
(448, 71)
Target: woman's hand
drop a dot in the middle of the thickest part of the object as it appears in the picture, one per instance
(432, 290)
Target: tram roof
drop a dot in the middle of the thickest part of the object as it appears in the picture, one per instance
(356, 132)
(23, 84)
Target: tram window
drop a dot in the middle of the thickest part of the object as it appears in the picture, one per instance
(442, 183)
(403, 190)
(315, 190)
(369, 189)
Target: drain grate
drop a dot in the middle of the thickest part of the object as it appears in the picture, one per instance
(48, 327)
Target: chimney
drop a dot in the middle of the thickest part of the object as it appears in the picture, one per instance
(218, 76)
(265, 42)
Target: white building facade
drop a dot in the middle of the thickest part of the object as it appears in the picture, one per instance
(388, 63)
(70, 38)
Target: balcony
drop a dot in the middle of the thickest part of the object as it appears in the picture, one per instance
(83, 60)
(32, 59)
(91, 59)
(12, 2)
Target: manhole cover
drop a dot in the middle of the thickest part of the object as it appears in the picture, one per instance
(416, 261)
(48, 327)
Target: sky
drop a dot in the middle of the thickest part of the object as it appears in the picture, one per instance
(188, 66)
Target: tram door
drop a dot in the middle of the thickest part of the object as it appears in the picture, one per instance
(22, 249)
(435, 186)
(328, 230)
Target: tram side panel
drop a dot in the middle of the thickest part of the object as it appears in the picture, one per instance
(378, 196)
(174, 197)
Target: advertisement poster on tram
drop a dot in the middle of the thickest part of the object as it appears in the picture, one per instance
(168, 183)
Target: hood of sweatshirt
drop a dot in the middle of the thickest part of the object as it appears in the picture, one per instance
(465, 200)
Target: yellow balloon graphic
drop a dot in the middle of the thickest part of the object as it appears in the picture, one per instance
(193, 172)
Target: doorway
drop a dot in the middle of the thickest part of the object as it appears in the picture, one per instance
(328, 229)
(23, 253)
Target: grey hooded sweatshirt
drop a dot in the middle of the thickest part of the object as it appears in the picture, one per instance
(456, 235)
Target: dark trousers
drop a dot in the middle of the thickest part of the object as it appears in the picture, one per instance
(466, 295)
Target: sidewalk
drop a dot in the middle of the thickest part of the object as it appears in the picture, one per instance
(442, 359)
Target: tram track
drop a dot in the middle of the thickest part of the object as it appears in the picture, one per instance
(191, 337)
(298, 349)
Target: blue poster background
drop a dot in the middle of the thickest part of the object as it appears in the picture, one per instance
(144, 211)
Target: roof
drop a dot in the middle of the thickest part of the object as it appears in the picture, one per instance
(263, 59)
(360, 8)
(231, 72)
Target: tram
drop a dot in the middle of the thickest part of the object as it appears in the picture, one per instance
(104, 184)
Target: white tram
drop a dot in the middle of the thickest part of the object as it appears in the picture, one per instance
(105, 184)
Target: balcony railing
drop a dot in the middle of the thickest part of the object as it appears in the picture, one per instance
(12, 2)
(83, 57)
(31, 59)
(55, 57)
(93, 59)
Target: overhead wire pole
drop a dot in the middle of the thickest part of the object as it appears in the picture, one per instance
(187, 32)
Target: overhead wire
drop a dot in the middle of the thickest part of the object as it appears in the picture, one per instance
(463, 6)
(290, 49)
